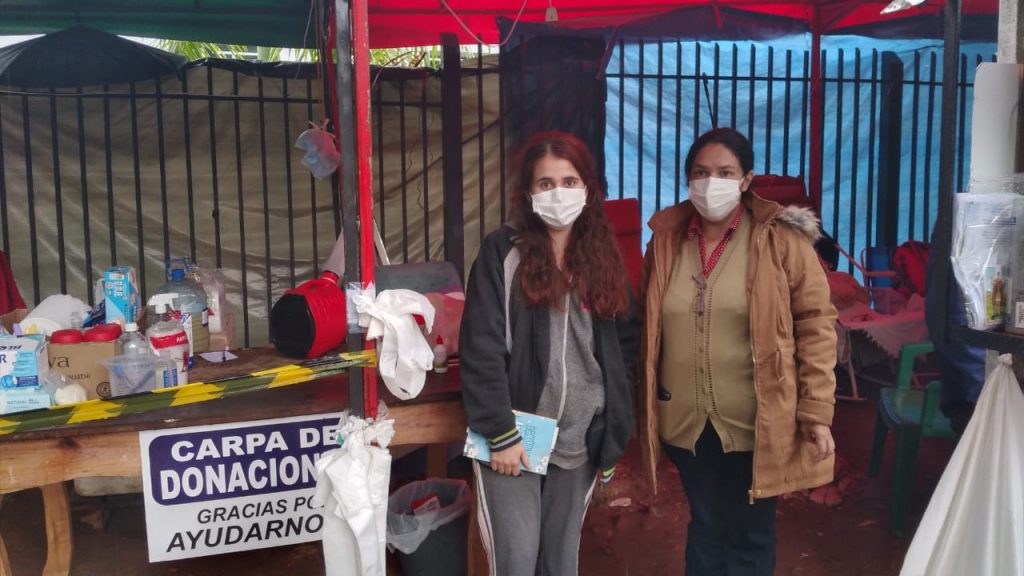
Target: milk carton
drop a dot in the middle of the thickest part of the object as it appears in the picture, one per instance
(23, 362)
(121, 295)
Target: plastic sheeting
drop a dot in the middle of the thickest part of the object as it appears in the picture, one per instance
(352, 484)
(974, 523)
(652, 171)
(301, 212)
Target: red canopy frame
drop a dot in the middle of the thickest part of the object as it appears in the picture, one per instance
(422, 22)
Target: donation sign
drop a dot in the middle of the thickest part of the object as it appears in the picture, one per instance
(233, 487)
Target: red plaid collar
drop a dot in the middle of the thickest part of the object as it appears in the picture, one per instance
(696, 230)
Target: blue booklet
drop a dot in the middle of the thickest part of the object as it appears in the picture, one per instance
(538, 433)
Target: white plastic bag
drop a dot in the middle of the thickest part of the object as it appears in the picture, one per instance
(54, 313)
(983, 245)
(974, 524)
(352, 484)
(403, 356)
(407, 529)
(322, 155)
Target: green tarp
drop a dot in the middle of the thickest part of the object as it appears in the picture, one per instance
(247, 22)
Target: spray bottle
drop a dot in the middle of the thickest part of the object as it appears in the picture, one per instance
(167, 337)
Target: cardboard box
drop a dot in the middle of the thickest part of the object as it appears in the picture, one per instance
(22, 399)
(121, 294)
(22, 361)
(83, 363)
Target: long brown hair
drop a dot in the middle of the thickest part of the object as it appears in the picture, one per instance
(593, 264)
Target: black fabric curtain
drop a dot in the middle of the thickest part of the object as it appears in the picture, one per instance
(555, 83)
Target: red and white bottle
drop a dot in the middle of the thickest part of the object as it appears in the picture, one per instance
(167, 336)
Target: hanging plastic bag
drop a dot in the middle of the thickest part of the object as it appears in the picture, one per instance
(974, 523)
(322, 155)
(988, 222)
(352, 484)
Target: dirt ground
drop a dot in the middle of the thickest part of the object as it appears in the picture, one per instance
(627, 531)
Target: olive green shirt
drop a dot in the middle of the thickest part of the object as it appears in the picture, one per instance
(706, 365)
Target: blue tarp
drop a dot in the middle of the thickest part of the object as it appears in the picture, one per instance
(656, 180)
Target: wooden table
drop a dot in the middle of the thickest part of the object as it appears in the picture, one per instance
(46, 459)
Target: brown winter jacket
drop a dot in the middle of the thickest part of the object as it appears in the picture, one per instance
(792, 328)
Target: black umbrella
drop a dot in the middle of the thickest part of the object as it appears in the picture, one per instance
(82, 57)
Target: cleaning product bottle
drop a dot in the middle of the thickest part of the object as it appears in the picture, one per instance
(167, 371)
(167, 337)
(132, 342)
(191, 309)
(440, 356)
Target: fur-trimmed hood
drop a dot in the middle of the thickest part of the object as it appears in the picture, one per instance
(799, 218)
(803, 220)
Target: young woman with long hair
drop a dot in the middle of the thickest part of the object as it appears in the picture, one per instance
(548, 329)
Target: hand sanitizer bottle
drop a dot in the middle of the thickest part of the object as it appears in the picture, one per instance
(440, 356)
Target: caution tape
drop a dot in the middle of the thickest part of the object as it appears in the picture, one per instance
(192, 393)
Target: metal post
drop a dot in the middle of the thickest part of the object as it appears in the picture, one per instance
(349, 193)
(451, 142)
(890, 134)
(938, 328)
(817, 119)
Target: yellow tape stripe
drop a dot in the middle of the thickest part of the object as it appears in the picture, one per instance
(272, 371)
(197, 392)
(93, 410)
(293, 377)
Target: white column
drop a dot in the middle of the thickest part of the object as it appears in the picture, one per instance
(1011, 32)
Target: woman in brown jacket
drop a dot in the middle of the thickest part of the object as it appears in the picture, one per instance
(738, 352)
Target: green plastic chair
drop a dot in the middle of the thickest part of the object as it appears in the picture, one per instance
(912, 414)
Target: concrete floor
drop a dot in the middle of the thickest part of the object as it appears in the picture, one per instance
(641, 535)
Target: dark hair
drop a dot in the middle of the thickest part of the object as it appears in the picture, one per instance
(736, 143)
(593, 263)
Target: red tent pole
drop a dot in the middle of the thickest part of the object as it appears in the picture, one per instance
(817, 118)
(361, 63)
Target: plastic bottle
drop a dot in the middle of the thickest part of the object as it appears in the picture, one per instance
(133, 342)
(190, 299)
(998, 297)
(167, 337)
(440, 356)
(167, 371)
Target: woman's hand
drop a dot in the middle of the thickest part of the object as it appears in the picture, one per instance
(507, 461)
(821, 436)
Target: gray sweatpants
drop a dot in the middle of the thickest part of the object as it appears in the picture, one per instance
(530, 524)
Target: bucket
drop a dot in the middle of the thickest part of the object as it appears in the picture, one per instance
(310, 319)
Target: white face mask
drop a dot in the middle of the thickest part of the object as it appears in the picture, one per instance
(559, 207)
(715, 198)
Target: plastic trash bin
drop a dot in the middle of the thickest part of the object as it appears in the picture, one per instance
(427, 523)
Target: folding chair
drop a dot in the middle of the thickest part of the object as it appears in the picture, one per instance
(873, 265)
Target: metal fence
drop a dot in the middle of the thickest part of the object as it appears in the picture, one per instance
(663, 94)
(410, 158)
(202, 166)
